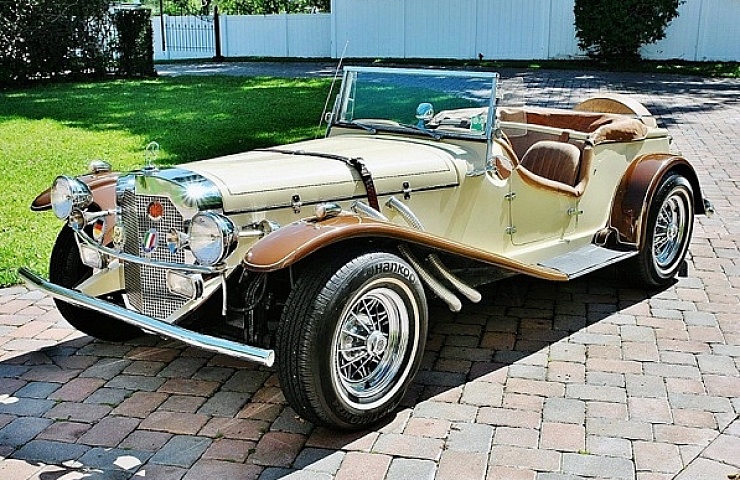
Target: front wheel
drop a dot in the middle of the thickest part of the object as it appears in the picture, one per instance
(351, 339)
(670, 221)
(67, 270)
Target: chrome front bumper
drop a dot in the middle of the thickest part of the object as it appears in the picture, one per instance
(149, 324)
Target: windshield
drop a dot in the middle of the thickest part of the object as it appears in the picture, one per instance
(425, 102)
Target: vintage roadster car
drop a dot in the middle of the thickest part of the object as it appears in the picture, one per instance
(321, 255)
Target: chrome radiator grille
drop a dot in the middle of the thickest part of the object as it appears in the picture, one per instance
(146, 286)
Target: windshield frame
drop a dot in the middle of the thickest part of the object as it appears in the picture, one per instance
(348, 90)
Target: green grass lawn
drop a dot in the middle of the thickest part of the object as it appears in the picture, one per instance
(57, 129)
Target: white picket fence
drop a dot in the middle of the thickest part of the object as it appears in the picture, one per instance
(461, 29)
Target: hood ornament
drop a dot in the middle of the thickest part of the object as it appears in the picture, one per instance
(151, 152)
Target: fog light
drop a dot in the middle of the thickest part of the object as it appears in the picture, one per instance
(92, 258)
(185, 285)
(212, 237)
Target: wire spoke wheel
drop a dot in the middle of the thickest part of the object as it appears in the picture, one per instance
(351, 338)
(670, 231)
(370, 344)
(668, 227)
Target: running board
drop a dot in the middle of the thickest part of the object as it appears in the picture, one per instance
(585, 260)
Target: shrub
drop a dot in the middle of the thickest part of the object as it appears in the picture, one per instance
(134, 46)
(615, 30)
(47, 39)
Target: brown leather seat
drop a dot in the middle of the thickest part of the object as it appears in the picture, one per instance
(556, 161)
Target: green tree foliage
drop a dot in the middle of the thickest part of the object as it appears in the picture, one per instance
(615, 30)
(239, 7)
(266, 7)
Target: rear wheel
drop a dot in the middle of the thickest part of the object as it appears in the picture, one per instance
(67, 270)
(670, 222)
(351, 339)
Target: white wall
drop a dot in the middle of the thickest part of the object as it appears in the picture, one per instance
(370, 28)
(513, 29)
(704, 30)
(276, 35)
(258, 36)
(562, 41)
(498, 29)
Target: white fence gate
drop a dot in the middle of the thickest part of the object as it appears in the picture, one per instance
(462, 29)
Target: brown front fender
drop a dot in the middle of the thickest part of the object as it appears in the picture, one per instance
(103, 187)
(298, 240)
(637, 188)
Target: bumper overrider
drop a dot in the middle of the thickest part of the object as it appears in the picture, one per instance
(149, 324)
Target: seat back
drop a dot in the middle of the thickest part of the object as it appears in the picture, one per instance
(556, 161)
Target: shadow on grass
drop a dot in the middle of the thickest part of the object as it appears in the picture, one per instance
(191, 118)
(56, 129)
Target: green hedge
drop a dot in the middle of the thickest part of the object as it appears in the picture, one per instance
(134, 46)
(49, 39)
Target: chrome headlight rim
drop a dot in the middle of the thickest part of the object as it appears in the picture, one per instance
(212, 237)
(68, 194)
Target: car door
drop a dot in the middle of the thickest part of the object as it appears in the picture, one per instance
(538, 213)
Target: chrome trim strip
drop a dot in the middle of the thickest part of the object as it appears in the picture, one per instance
(206, 342)
(127, 257)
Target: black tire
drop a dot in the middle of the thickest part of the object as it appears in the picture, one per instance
(66, 269)
(351, 339)
(670, 222)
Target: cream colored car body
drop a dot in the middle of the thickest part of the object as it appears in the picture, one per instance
(475, 210)
(449, 183)
(346, 236)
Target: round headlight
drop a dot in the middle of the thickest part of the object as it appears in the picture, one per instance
(67, 194)
(212, 237)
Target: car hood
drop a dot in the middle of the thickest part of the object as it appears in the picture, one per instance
(265, 179)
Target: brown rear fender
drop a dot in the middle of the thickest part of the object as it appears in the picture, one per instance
(103, 187)
(638, 186)
(298, 240)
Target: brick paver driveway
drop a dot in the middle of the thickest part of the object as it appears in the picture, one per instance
(541, 380)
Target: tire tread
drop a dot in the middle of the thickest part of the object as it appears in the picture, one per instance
(308, 303)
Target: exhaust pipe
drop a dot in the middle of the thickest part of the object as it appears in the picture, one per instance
(466, 290)
(434, 285)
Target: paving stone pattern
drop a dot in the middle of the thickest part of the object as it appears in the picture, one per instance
(590, 379)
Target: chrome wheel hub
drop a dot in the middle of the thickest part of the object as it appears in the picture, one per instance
(672, 231)
(370, 346)
(376, 344)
